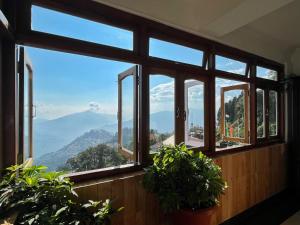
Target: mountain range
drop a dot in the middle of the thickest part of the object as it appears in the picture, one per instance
(59, 139)
(53, 160)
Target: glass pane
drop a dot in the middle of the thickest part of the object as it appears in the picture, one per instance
(194, 108)
(230, 126)
(230, 65)
(162, 101)
(127, 112)
(260, 106)
(53, 22)
(26, 114)
(76, 98)
(273, 98)
(175, 52)
(266, 73)
(234, 114)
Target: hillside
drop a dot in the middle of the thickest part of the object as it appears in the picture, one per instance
(89, 139)
(51, 135)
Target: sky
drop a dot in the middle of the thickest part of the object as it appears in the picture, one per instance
(66, 83)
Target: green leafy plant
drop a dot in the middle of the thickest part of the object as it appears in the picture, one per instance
(183, 179)
(38, 197)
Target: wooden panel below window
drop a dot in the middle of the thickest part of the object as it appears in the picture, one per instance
(252, 177)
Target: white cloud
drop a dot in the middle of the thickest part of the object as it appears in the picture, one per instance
(162, 97)
(238, 71)
(52, 111)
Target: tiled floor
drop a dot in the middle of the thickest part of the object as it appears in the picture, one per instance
(293, 220)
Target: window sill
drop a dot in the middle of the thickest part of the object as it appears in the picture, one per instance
(104, 173)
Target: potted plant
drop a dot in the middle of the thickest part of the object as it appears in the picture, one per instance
(32, 196)
(187, 184)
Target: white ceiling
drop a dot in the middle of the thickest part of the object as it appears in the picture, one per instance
(270, 28)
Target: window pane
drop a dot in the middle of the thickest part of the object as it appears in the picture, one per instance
(232, 117)
(194, 108)
(260, 107)
(127, 113)
(162, 101)
(266, 73)
(53, 22)
(26, 114)
(273, 98)
(230, 65)
(234, 114)
(175, 52)
(76, 98)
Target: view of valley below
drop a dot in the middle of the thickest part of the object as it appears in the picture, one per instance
(89, 140)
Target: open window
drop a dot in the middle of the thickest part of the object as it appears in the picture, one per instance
(232, 113)
(25, 95)
(127, 113)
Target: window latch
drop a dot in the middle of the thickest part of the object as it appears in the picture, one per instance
(184, 115)
(177, 113)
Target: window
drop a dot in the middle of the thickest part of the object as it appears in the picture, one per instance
(272, 113)
(230, 65)
(194, 113)
(232, 114)
(81, 113)
(162, 105)
(77, 101)
(25, 95)
(265, 73)
(260, 113)
(127, 113)
(175, 52)
(49, 21)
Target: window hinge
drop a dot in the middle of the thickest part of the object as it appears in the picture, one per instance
(138, 80)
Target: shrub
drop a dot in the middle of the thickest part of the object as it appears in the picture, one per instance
(183, 179)
(38, 197)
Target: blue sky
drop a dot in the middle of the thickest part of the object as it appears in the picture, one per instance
(67, 83)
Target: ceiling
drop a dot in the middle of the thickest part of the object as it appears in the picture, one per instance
(269, 28)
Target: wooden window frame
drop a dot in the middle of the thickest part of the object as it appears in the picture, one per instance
(23, 64)
(165, 38)
(143, 29)
(131, 155)
(233, 57)
(245, 89)
(267, 87)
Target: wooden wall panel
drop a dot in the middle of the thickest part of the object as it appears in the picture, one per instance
(252, 177)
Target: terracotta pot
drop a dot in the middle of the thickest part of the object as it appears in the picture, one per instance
(190, 217)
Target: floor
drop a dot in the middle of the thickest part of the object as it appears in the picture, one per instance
(293, 220)
(274, 211)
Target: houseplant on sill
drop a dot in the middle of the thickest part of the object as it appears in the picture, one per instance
(187, 184)
(32, 196)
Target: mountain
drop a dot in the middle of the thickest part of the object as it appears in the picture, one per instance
(164, 122)
(89, 139)
(51, 135)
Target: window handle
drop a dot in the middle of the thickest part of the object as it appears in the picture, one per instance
(184, 115)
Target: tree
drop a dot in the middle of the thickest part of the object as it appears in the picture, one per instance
(100, 156)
